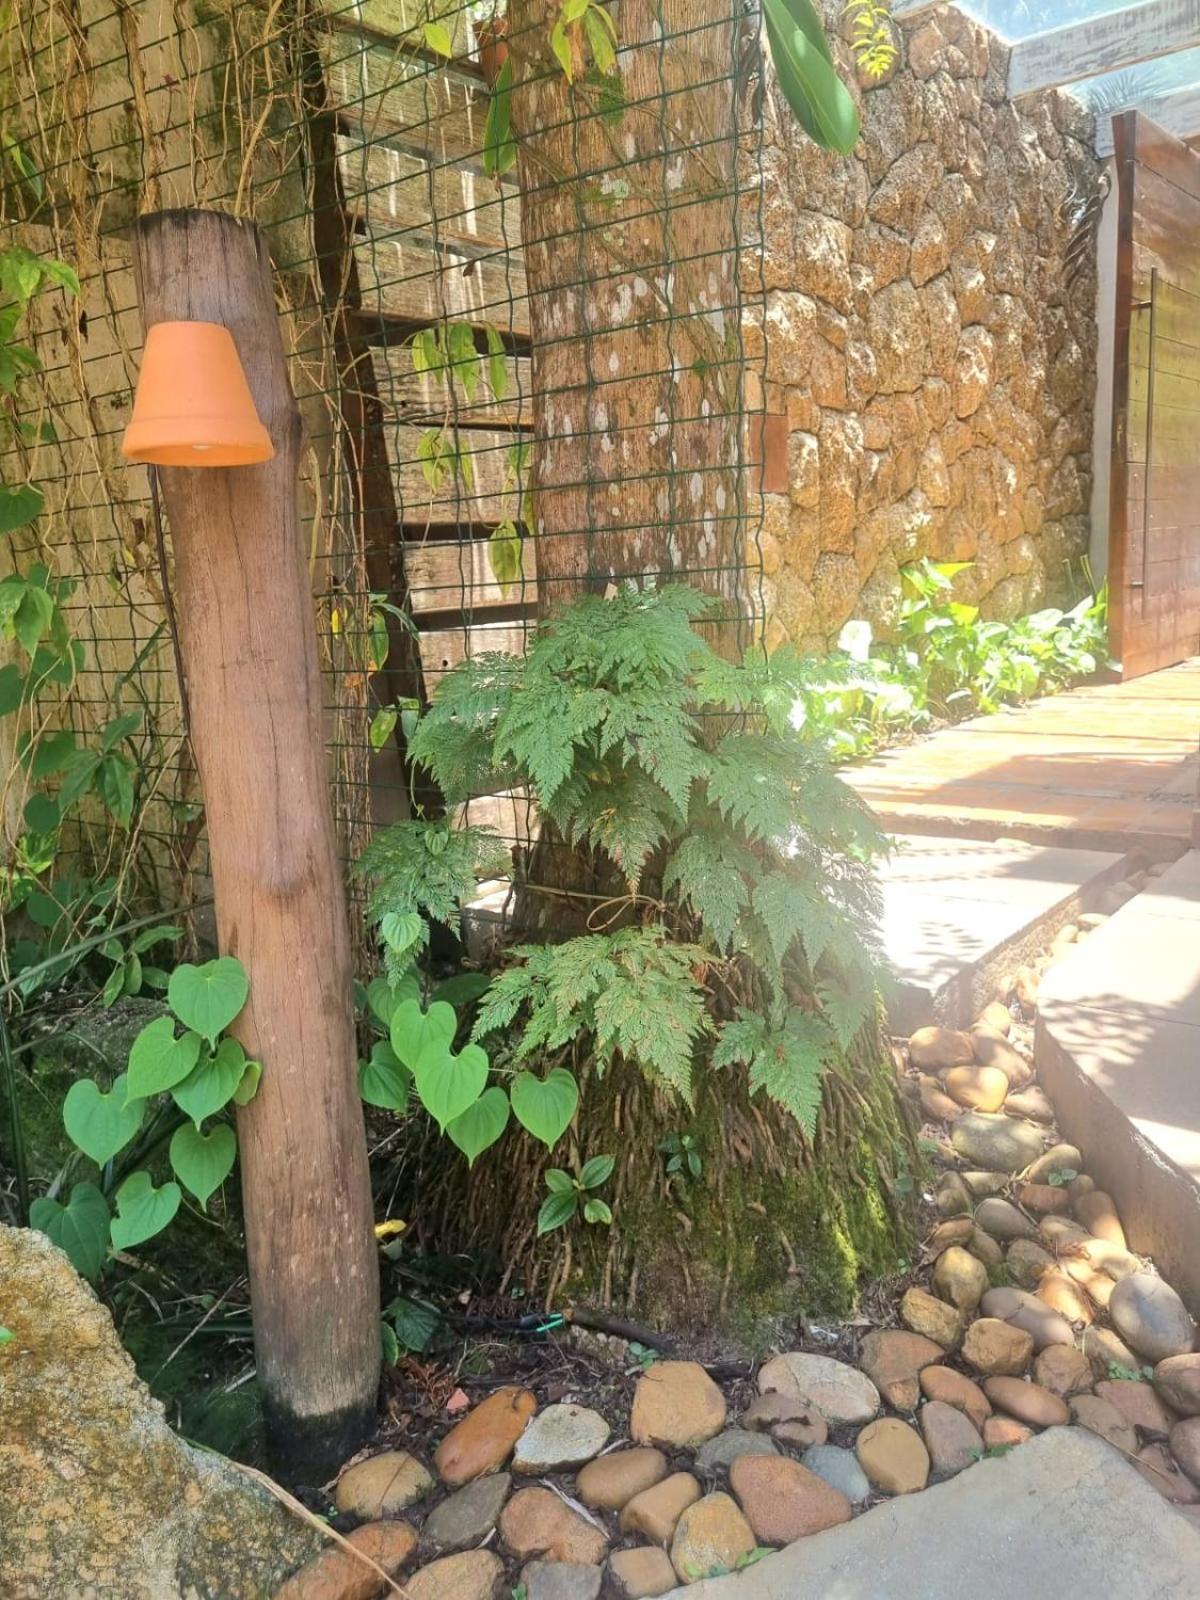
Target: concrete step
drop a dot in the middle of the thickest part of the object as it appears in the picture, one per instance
(1118, 1051)
(960, 914)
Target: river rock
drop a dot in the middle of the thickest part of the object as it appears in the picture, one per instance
(561, 1580)
(473, 1575)
(560, 1438)
(536, 1522)
(994, 1140)
(641, 1573)
(996, 1017)
(783, 1500)
(1080, 1185)
(1059, 1160)
(610, 1483)
(655, 1511)
(1098, 1286)
(839, 1468)
(986, 1249)
(1030, 1102)
(1184, 1441)
(1177, 1379)
(1028, 1402)
(994, 1347)
(1104, 1349)
(770, 1409)
(959, 1278)
(892, 1359)
(337, 1575)
(466, 1517)
(1062, 1294)
(1027, 1261)
(711, 1536)
(954, 1230)
(1004, 1433)
(485, 1438)
(676, 1404)
(952, 1439)
(936, 1104)
(1063, 1370)
(925, 1314)
(1138, 1403)
(382, 1485)
(998, 1053)
(99, 1493)
(1158, 1467)
(1098, 1213)
(976, 1088)
(1102, 1418)
(1151, 1317)
(1003, 1221)
(1044, 1199)
(839, 1392)
(983, 1184)
(1025, 1310)
(954, 1389)
(934, 1049)
(952, 1197)
(893, 1456)
(720, 1453)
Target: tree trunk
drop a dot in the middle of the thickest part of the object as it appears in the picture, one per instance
(249, 652)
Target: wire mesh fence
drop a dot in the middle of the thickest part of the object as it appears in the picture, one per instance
(515, 255)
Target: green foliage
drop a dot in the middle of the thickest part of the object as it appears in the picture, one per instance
(872, 37)
(804, 68)
(427, 868)
(568, 1195)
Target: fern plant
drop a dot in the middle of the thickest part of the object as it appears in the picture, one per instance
(740, 930)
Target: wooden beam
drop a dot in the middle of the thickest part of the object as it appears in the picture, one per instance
(1106, 43)
(1177, 113)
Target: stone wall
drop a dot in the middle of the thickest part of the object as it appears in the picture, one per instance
(935, 367)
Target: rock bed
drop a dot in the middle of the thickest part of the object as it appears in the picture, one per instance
(1029, 1312)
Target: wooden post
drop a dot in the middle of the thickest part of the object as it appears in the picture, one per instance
(248, 646)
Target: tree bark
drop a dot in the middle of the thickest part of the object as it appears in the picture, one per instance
(249, 652)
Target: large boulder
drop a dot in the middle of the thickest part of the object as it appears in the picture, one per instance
(100, 1497)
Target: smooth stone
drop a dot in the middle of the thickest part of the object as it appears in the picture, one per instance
(1158, 1467)
(473, 1575)
(559, 1439)
(995, 1347)
(976, 1088)
(1026, 989)
(936, 1104)
(802, 1432)
(960, 1278)
(711, 1536)
(933, 1049)
(1028, 1402)
(536, 1522)
(676, 1404)
(839, 1392)
(893, 1359)
(998, 1053)
(1004, 1433)
(1109, 1258)
(1097, 1212)
(1027, 1261)
(952, 1197)
(1062, 1294)
(986, 1249)
(1138, 1403)
(984, 1184)
(641, 1573)
(996, 1016)
(954, 1389)
(1045, 1199)
(1030, 1102)
(1151, 1317)
(1102, 1417)
(335, 1574)
(1025, 1310)
(951, 1438)
(1080, 1186)
(783, 1500)
(839, 1468)
(1099, 1286)
(1059, 1159)
(1063, 1370)
(655, 1511)
(1003, 1221)
(561, 1580)
(925, 1314)
(485, 1438)
(1177, 1379)
(893, 1456)
(1104, 1349)
(383, 1485)
(763, 1413)
(955, 1230)
(466, 1517)
(1184, 1441)
(610, 1482)
(725, 1449)
(995, 1141)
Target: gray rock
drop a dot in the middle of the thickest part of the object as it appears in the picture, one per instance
(982, 1184)
(839, 1468)
(81, 1431)
(1002, 1220)
(1059, 1158)
(724, 1450)
(840, 1393)
(560, 1438)
(1151, 1317)
(467, 1517)
(561, 1580)
(1024, 1310)
(996, 1141)
(953, 1198)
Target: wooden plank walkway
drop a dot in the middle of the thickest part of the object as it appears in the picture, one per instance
(1103, 767)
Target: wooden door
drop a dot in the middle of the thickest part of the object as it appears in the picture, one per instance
(1154, 527)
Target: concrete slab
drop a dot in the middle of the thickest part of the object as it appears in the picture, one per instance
(1062, 1515)
(1118, 1051)
(960, 913)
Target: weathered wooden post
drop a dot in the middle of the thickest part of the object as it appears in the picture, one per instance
(248, 646)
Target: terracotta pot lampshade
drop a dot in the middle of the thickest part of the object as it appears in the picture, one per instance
(193, 406)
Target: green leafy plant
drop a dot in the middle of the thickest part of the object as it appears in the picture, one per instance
(683, 1155)
(568, 1195)
(872, 37)
(818, 98)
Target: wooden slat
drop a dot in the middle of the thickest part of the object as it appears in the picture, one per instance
(458, 576)
(393, 95)
(408, 279)
(394, 190)
(488, 499)
(1177, 114)
(425, 397)
(394, 19)
(444, 648)
(1105, 43)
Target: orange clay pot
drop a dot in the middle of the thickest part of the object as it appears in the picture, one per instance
(193, 406)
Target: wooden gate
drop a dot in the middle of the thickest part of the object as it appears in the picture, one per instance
(1154, 526)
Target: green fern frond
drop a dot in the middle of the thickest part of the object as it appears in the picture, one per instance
(428, 867)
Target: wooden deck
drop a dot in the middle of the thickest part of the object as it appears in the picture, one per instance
(1103, 767)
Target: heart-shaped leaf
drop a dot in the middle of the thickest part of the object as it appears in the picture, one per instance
(546, 1105)
(101, 1124)
(480, 1125)
(212, 1082)
(142, 1210)
(208, 998)
(447, 1084)
(383, 997)
(248, 1088)
(202, 1161)
(383, 1081)
(158, 1060)
(79, 1229)
(414, 1031)
(556, 1209)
